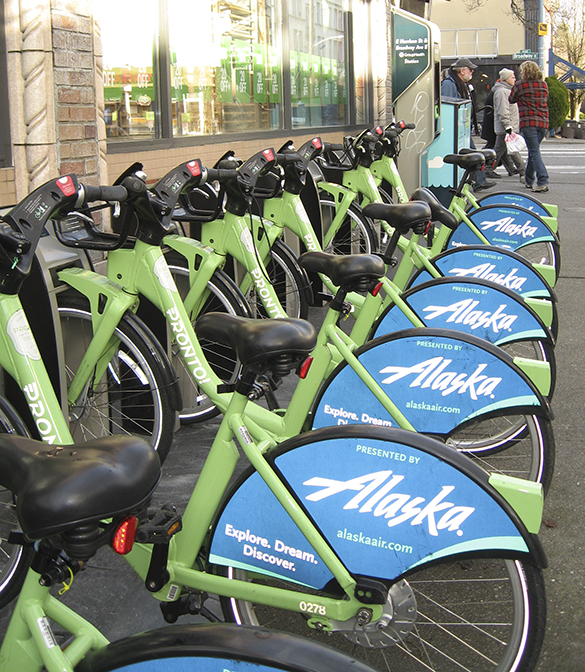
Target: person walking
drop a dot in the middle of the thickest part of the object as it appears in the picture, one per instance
(456, 85)
(531, 95)
(506, 121)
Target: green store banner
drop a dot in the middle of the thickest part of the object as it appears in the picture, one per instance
(259, 72)
(223, 74)
(274, 94)
(410, 52)
(294, 76)
(140, 79)
(342, 83)
(242, 70)
(305, 78)
(326, 81)
(334, 82)
(316, 80)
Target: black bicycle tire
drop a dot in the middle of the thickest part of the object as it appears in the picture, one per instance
(527, 595)
(535, 425)
(365, 224)
(16, 558)
(136, 333)
(229, 295)
(263, 649)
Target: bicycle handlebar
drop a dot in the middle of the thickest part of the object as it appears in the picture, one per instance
(220, 175)
(108, 194)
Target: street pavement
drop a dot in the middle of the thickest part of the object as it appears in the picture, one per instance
(112, 597)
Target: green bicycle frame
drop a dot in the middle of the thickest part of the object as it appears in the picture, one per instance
(231, 236)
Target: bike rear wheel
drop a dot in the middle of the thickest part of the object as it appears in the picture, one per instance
(473, 614)
(516, 445)
(131, 397)
(224, 297)
(14, 559)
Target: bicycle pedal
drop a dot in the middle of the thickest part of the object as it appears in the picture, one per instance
(160, 526)
(190, 603)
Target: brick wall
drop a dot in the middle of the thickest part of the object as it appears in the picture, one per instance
(74, 78)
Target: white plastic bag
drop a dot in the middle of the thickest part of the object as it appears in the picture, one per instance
(514, 143)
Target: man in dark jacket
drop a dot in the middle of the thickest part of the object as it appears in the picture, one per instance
(456, 85)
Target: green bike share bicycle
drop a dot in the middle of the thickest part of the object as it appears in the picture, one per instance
(365, 166)
(362, 537)
(65, 498)
(261, 434)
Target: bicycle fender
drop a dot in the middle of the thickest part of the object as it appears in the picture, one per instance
(524, 201)
(504, 226)
(218, 646)
(473, 306)
(503, 267)
(385, 501)
(437, 378)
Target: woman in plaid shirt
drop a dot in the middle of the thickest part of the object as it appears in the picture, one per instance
(531, 94)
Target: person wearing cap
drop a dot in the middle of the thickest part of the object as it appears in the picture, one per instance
(506, 120)
(531, 94)
(456, 85)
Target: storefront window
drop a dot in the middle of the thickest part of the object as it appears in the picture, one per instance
(318, 62)
(226, 73)
(128, 40)
(207, 67)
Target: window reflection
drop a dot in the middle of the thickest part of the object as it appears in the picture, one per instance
(318, 62)
(222, 66)
(128, 33)
(227, 78)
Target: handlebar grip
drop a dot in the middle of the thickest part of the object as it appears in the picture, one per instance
(330, 146)
(106, 193)
(221, 174)
(284, 159)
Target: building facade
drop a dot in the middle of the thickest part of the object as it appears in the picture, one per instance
(93, 85)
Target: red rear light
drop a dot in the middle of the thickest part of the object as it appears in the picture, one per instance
(305, 366)
(377, 288)
(125, 535)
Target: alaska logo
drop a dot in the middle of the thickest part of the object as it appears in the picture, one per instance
(376, 496)
(434, 374)
(463, 312)
(506, 225)
(485, 272)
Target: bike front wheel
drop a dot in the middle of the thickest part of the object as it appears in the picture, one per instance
(516, 445)
(188, 648)
(354, 235)
(484, 615)
(131, 396)
(290, 283)
(14, 559)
